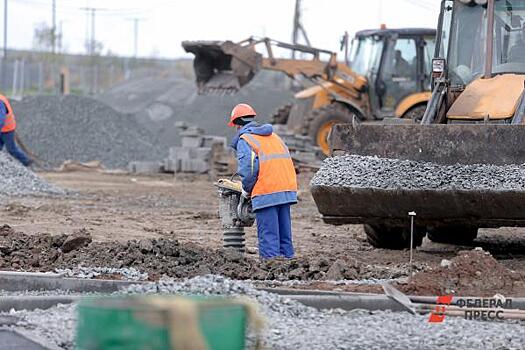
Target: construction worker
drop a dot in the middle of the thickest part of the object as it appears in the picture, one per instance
(268, 178)
(7, 132)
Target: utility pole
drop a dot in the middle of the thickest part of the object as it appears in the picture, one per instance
(91, 48)
(5, 29)
(54, 26)
(136, 35)
(136, 22)
(91, 42)
(60, 37)
(298, 28)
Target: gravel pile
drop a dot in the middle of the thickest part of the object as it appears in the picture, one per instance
(130, 274)
(55, 326)
(58, 128)
(291, 325)
(158, 103)
(372, 172)
(17, 180)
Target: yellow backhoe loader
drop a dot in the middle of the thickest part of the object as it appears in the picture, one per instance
(386, 73)
(476, 115)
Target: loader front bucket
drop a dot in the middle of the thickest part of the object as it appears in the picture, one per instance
(435, 143)
(458, 192)
(222, 67)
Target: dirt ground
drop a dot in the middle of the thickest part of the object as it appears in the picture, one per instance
(118, 207)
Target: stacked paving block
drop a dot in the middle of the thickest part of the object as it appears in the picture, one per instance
(195, 155)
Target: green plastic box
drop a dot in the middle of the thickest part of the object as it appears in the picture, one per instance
(125, 323)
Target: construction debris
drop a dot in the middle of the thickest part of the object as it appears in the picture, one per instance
(17, 180)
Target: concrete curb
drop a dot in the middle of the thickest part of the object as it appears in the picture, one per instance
(319, 299)
(347, 302)
(369, 301)
(23, 281)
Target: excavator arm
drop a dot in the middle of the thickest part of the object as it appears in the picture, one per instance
(224, 67)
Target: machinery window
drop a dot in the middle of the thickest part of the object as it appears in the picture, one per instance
(445, 28)
(467, 44)
(509, 37)
(401, 62)
(428, 52)
(399, 72)
(364, 54)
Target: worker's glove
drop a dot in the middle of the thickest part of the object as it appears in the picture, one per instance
(245, 194)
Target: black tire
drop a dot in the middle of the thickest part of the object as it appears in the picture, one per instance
(321, 117)
(281, 115)
(453, 234)
(397, 238)
(416, 113)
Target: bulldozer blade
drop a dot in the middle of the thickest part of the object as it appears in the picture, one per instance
(222, 67)
(436, 143)
(441, 144)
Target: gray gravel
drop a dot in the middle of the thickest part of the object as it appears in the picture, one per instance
(56, 326)
(373, 172)
(58, 128)
(158, 103)
(291, 325)
(17, 180)
(130, 274)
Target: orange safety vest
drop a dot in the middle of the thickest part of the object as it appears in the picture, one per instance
(10, 122)
(276, 169)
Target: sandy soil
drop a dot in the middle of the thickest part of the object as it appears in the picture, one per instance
(123, 207)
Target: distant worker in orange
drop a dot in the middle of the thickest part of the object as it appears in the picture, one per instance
(7, 132)
(268, 177)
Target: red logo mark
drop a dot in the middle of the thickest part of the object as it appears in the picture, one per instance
(438, 314)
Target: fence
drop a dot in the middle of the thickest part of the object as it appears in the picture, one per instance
(83, 75)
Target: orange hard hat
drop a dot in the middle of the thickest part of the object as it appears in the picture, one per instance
(241, 110)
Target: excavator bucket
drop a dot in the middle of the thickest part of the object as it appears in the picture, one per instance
(222, 67)
(479, 204)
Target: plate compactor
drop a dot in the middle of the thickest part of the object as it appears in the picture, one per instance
(235, 213)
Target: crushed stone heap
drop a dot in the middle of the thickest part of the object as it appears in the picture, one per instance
(17, 180)
(373, 172)
(59, 128)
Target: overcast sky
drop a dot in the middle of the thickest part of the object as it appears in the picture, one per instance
(165, 23)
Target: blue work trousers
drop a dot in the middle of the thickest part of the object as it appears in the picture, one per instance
(274, 230)
(8, 139)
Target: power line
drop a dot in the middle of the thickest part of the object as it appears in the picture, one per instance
(117, 12)
(421, 4)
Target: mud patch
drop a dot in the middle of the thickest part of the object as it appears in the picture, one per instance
(169, 257)
(470, 273)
